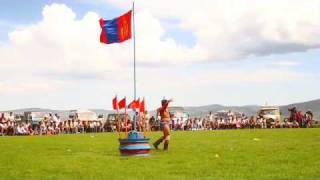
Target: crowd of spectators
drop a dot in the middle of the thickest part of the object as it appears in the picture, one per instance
(231, 120)
(52, 124)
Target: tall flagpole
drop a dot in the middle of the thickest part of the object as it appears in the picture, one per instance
(134, 64)
(125, 117)
(134, 54)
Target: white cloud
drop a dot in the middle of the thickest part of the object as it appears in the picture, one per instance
(228, 29)
(255, 76)
(282, 63)
(60, 43)
(62, 48)
(29, 86)
(231, 76)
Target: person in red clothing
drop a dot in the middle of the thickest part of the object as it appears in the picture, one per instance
(3, 124)
(309, 118)
(164, 124)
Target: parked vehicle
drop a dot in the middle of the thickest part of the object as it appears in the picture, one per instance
(178, 113)
(113, 119)
(83, 115)
(271, 114)
(35, 117)
(114, 116)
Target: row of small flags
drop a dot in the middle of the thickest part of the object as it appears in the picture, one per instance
(135, 104)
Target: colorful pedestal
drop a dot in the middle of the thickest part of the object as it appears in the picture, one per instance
(135, 145)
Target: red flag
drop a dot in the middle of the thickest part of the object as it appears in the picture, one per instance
(142, 106)
(115, 103)
(137, 102)
(122, 103)
(134, 104)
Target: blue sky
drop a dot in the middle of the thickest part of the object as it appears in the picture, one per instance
(194, 62)
(16, 13)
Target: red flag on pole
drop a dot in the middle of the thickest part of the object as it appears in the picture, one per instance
(122, 103)
(134, 104)
(115, 103)
(142, 106)
(137, 103)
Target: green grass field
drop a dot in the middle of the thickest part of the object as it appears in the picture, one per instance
(225, 154)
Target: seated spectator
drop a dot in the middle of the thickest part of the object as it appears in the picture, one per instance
(3, 124)
(215, 124)
(129, 125)
(66, 127)
(75, 126)
(85, 126)
(259, 122)
(56, 127)
(277, 124)
(10, 128)
(233, 123)
(100, 126)
(287, 123)
(295, 124)
(21, 130)
(223, 123)
(72, 126)
(50, 129)
(308, 118)
(91, 126)
(30, 131)
(43, 128)
(108, 126)
(252, 122)
(264, 123)
(80, 126)
(238, 125)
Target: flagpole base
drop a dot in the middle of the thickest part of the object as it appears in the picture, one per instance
(135, 145)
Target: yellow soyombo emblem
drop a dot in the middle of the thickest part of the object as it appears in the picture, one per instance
(124, 30)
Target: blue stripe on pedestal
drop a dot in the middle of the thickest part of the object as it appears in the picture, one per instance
(134, 147)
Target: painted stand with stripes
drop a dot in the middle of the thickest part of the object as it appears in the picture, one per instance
(135, 145)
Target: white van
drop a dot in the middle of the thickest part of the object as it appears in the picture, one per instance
(83, 115)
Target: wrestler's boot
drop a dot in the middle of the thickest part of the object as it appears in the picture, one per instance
(156, 144)
(166, 145)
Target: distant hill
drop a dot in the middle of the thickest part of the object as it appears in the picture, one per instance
(314, 105)
(202, 110)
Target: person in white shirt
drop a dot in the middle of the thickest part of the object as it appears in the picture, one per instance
(210, 116)
(76, 126)
(56, 119)
(43, 128)
(50, 129)
(223, 123)
(25, 129)
(11, 117)
(80, 126)
(91, 125)
(146, 117)
(3, 124)
(21, 130)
